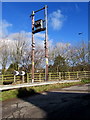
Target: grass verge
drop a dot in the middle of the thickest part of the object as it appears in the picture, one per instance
(27, 91)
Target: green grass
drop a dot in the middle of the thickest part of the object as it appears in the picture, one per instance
(27, 91)
(8, 94)
(85, 80)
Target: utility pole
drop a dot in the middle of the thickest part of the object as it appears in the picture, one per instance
(38, 26)
(46, 44)
(33, 46)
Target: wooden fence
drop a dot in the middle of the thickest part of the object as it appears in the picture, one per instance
(40, 77)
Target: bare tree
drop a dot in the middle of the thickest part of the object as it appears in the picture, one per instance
(73, 55)
(39, 57)
(60, 49)
(4, 55)
(18, 52)
(26, 60)
(77, 56)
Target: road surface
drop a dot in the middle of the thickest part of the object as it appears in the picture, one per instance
(71, 103)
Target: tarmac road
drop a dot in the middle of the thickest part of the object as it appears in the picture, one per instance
(71, 103)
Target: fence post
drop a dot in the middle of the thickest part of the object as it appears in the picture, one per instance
(49, 76)
(27, 77)
(23, 78)
(14, 78)
(85, 74)
(69, 75)
(77, 75)
(40, 77)
(2, 78)
(59, 75)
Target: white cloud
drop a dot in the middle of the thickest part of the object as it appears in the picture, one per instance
(38, 38)
(27, 36)
(56, 19)
(17, 35)
(4, 28)
(40, 35)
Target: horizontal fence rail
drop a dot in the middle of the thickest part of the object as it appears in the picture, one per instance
(40, 77)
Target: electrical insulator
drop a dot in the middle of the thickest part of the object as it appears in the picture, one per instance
(33, 48)
(33, 45)
(45, 46)
(45, 42)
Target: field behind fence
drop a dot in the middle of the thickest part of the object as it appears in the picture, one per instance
(40, 77)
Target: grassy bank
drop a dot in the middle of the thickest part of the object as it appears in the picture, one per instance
(25, 92)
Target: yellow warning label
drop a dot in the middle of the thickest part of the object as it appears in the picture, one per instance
(47, 61)
(32, 63)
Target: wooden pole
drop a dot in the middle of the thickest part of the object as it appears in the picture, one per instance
(46, 45)
(33, 46)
